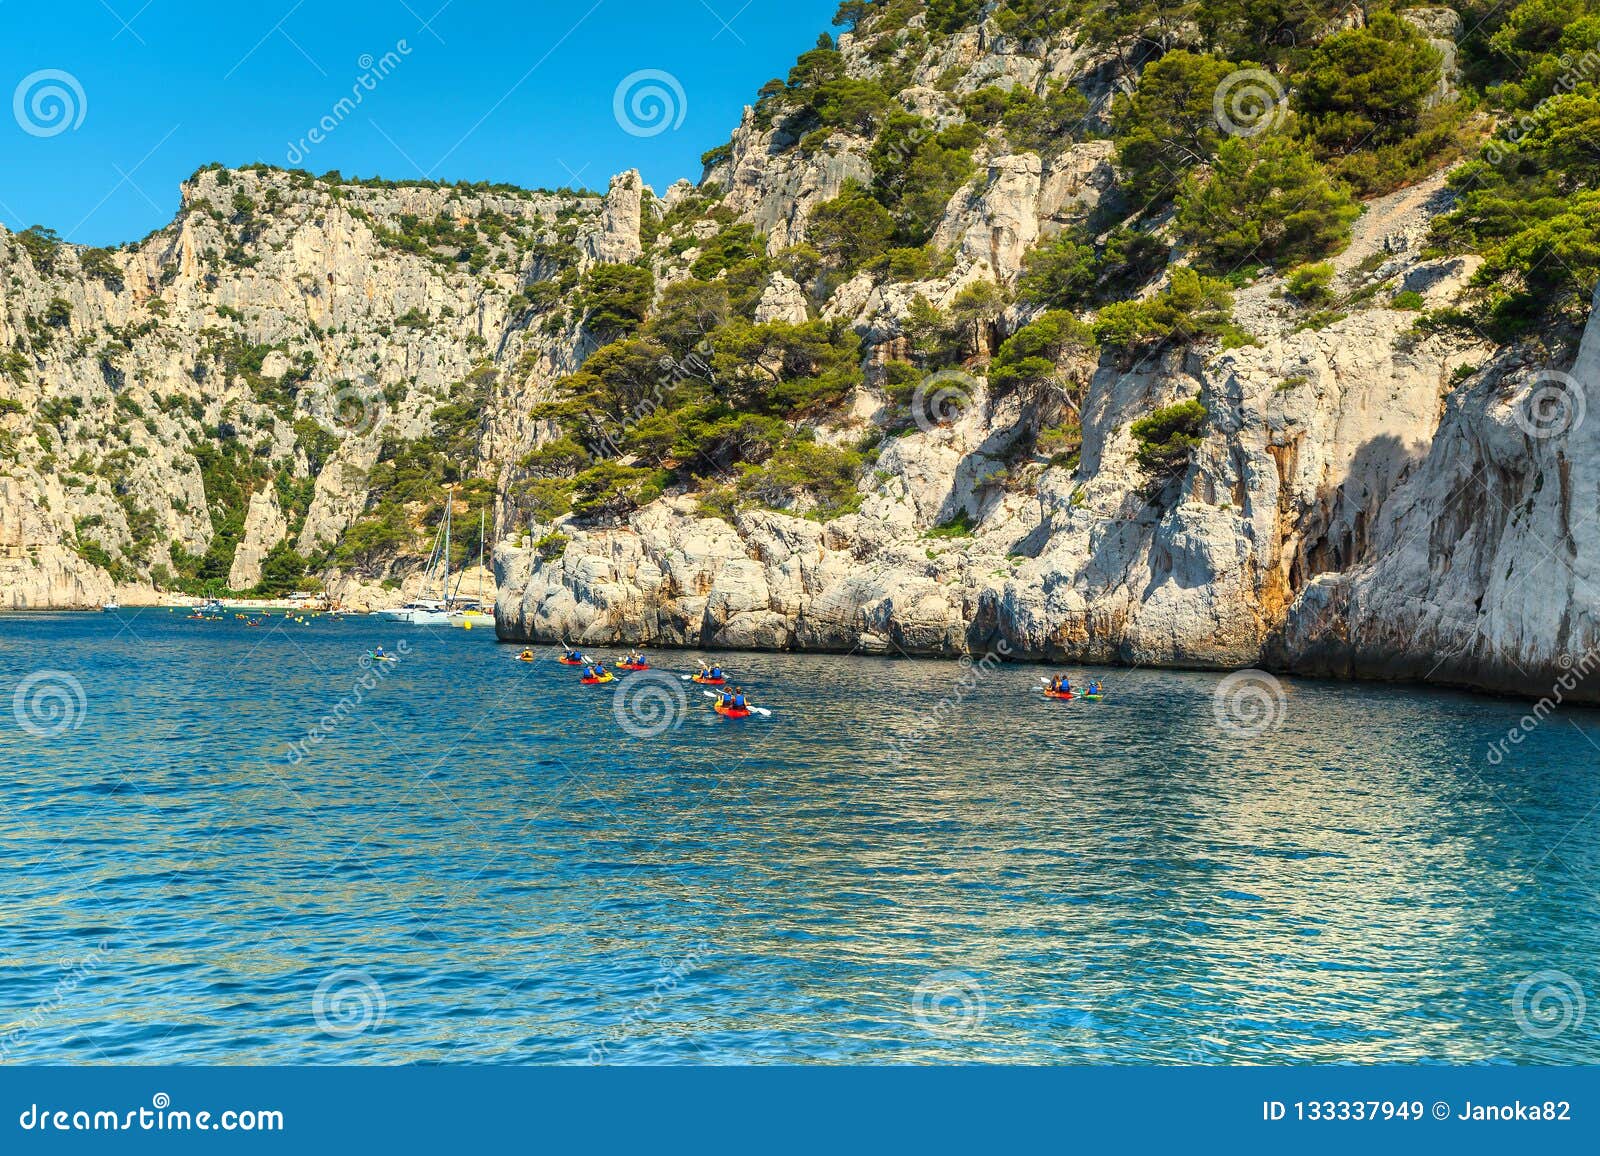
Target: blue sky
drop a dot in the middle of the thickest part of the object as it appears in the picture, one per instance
(113, 102)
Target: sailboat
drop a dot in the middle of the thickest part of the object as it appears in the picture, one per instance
(470, 614)
(431, 611)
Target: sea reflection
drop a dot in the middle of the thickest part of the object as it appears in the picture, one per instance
(489, 868)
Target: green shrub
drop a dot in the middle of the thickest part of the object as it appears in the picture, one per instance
(960, 525)
(918, 169)
(1192, 308)
(615, 299)
(1031, 355)
(551, 546)
(1410, 299)
(1266, 200)
(1168, 437)
(1311, 284)
(807, 469)
(1167, 124)
(1365, 87)
(851, 229)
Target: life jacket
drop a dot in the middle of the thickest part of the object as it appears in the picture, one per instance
(738, 701)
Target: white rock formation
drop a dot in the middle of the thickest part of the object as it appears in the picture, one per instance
(264, 528)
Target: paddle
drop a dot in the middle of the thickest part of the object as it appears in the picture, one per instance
(760, 710)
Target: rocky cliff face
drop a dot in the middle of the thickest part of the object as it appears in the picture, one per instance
(1367, 499)
(1315, 438)
(303, 367)
(232, 380)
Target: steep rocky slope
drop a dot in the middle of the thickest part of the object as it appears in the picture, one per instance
(165, 402)
(1366, 497)
(820, 400)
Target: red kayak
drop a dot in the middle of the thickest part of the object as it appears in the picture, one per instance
(633, 666)
(598, 681)
(1064, 695)
(731, 711)
(709, 681)
(572, 662)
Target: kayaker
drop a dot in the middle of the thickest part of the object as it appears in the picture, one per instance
(738, 698)
(379, 654)
(588, 672)
(635, 658)
(526, 656)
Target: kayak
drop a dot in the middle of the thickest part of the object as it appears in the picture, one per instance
(709, 681)
(598, 681)
(526, 658)
(1093, 697)
(731, 711)
(633, 666)
(572, 662)
(1065, 696)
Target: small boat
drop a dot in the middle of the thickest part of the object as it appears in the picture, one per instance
(633, 666)
(598, 681)
(421, 612)
(703, 681)
(731, 711)
(431, 611)
(112, 605)
(1063, 695)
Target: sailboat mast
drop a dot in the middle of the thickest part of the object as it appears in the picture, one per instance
(444, 571)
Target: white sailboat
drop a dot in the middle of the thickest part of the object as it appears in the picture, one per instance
(431, 611)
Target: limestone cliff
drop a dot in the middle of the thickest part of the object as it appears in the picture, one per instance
(775, 409)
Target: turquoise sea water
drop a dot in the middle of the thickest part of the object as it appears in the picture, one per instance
(475, 861)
